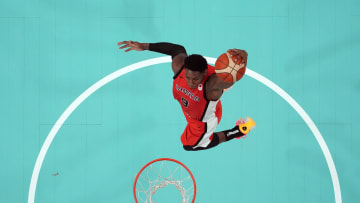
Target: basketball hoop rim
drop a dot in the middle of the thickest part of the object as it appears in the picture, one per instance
(164, 159)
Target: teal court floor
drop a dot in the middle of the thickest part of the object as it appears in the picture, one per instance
(53, 51)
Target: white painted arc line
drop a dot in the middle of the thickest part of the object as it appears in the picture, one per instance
(73, 106)
(149, 62)
(310, 123)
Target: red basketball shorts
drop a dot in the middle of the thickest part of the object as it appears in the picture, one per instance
(199, 133)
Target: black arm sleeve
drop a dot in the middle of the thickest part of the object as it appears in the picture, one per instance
(167, 48)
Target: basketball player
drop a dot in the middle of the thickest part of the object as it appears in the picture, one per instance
(198, 90)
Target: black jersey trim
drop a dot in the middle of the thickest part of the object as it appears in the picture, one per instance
(178, 73)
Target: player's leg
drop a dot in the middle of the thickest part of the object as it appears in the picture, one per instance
(242, 128)
(199, 135)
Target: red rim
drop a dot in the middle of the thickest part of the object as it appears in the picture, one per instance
(164, 159)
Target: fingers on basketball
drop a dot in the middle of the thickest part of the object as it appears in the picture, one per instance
(232, 52)
(229, 73)
(238, 56)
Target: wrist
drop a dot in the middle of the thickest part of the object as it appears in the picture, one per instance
(222, 84)
(145, 46)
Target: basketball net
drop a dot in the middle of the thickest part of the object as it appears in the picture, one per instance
(161, 173)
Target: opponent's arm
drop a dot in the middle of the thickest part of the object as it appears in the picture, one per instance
(177, 52)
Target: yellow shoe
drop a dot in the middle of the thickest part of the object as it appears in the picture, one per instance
(246, 124)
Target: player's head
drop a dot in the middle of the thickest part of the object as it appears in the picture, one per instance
(195, 70)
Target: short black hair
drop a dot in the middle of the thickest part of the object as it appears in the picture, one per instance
(195, 62)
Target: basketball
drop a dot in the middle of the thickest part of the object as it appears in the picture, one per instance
(227, 69)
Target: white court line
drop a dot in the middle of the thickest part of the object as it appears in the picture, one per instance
(167, 59)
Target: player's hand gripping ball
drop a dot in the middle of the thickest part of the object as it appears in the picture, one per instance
(231, 66)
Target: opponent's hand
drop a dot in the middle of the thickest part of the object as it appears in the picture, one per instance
(132, 45)
(240, 54)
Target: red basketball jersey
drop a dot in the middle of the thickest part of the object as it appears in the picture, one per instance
(193, 102)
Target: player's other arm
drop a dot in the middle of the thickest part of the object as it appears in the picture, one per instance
(215, 85)
(177, 52)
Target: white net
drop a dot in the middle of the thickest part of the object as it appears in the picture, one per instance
(161, 174)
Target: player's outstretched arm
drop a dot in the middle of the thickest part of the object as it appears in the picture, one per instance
(131, 45)
(177, 52)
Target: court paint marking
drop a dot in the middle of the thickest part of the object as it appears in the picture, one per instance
(167, 59)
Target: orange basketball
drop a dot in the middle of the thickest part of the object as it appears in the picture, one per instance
(227, 69)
